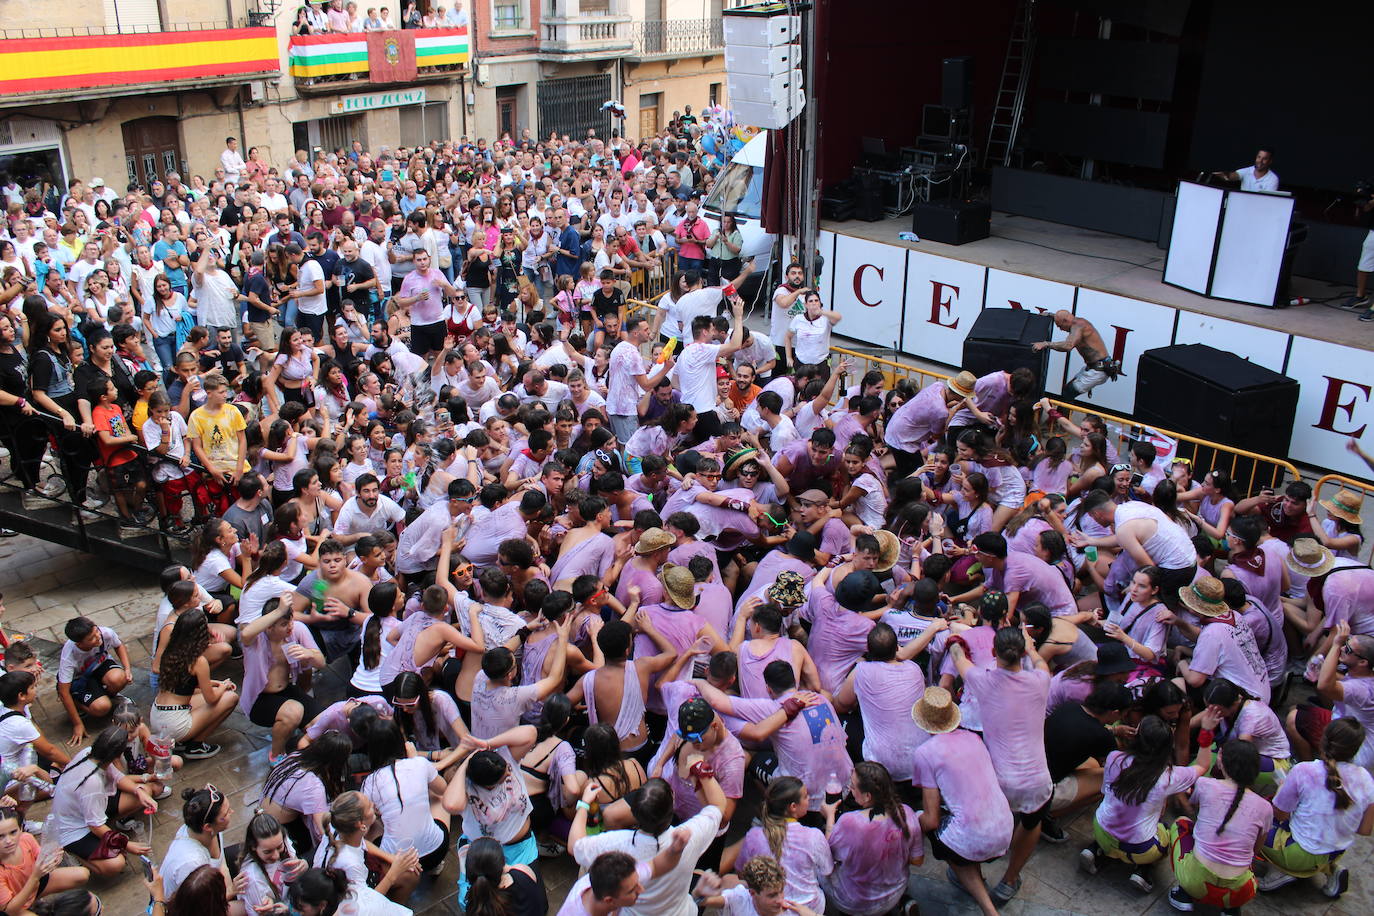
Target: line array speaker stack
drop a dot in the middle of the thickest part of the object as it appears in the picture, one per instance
(763, 65)
(1216, 395)
(1003, 339)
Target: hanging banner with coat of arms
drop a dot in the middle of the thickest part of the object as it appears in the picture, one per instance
(391, 56)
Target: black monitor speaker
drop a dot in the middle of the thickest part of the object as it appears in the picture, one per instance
(953, 222)
(1212, 394)
(1003, 339)
(956, 82)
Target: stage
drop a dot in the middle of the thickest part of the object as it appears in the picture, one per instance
(921, 299)
(1125, 267)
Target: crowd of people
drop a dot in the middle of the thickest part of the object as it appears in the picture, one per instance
(318, 17)
(635, 583)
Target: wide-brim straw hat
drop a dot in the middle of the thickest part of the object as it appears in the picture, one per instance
(654, 539)
(1309, 558)
(962, 384)
(679, 585)
(1206, 597)
(936, 712)
(1345, 505)
(889, 549)
(738, 460)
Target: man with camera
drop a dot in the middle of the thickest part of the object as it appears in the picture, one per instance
(691, 233)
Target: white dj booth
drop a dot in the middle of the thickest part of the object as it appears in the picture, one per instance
(1229, 244)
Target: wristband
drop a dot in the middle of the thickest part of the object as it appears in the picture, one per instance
(1054, 414)
(22, 403)
(583, 806)
(957, 641)
(792, 706)
(1205, 738)
(702, 769)
(738, 505)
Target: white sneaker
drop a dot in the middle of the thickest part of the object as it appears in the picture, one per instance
(1337, 884)
(1274, 880)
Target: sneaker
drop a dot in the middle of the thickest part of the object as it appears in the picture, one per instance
(166, 791)
(1355, 302)
(1051, 832)
(1337, 884)
(1089, 859)
(93, 501)
(1003, 892)
(1367, 315)
(1274, 880)
(128, 824)
(55, 487)
(1142, 880)
(1179, 899)
(196, 750)
(548, 849)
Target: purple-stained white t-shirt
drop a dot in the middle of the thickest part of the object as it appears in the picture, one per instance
(810, 747)
(1036, 581)
(572, 904)
(871, 857)
(1230, 652)
(886, 693)
(1136, 823)
(979, 824)
(1012, 707)
(1236, 846)
(805, 860)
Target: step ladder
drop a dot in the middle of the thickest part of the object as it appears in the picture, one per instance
(1011, 92)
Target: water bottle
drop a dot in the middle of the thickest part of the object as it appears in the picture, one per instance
(908, 237)
(1298, 300)
(160, 749)
(49, 844)
(317, 594)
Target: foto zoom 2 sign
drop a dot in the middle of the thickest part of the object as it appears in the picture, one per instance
(353, 103)
(924, 305)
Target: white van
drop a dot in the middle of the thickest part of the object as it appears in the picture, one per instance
(739, 192)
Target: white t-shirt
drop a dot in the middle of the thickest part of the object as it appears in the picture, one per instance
(810, 339)
(408, 779)
(78, 806)
(176, 449)
(258, 594)
(183, 856)
(1269, 181)
(696, 375)
(208, 572)
(666, 895)
(15, 733)
(215, 300)
(74, 661)
(310, 272)
(697, 303)
(352, 519)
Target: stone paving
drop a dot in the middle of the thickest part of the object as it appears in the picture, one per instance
(44, 585)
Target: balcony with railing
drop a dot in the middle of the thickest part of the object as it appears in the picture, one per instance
(319, 63)
(584, 29)
(657, 39)
(46, 64)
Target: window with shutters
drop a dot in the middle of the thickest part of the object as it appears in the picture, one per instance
(132, 16)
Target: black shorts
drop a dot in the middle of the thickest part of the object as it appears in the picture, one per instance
(1171, 580)
(89, 687)
(429, 860)
(427, 338)
(267, 705)
(1029, 820)
(942, 852)
(126, 476)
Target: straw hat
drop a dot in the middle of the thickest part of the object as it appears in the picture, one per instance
(1309, 558)
(679, 585)
(654, 539)
(738, 460)
(1345, 505)
(936, 712)
(889, 548)
(789, 590)
(962, 384)
(1206, 597)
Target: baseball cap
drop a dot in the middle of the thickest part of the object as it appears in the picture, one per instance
(693, 719)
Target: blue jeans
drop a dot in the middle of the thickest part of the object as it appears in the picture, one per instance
(697, 264)
(166, 350)
(290, 314)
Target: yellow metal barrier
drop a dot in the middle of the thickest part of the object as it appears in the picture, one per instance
(1342, 482)
(1250, 471)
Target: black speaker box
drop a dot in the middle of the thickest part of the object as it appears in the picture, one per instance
(868, 198)
(956, 82)
(1001, 339)
(1211, 394)
(953, 222)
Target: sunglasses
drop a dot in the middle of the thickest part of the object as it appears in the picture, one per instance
(464, 570)
(748, 472)
(1347, 649)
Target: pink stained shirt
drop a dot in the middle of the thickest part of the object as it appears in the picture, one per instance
(806, 859)
(429, 285)
(1011, 705)
(1137, 823)
(1236, 846)
(920, 421)
(1036, 581)
(957, 763)
(810, 747)
(839, 637)
(871, 857)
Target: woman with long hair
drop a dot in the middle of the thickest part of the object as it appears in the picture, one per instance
(1006, 485)
(605, 763)
(1247, 719)
(803, 852)
(217, 565)
(1136, 783)
(428, 719)
(872, 846)
(1216, 506)
(1091, 461)
(319, 892)
(91, 791)
(21, 432)
(52, 386)
(268, 860)
(1058, 640)
(202, 893)
(346, 847)
(293, 372)
(384, 602)
(190, 705)
(496, 888)
(1135, 626)
(1320, 809)
(298, 789)
(162, 316)
(407, 792)
(1213, 856)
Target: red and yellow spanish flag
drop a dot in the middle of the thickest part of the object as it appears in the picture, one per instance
(56, 64)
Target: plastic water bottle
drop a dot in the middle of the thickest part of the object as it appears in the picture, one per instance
(1298, 300)
(908, 237)
(317, 594)
(49, 844)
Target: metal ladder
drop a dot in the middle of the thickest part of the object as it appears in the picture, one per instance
(1011, 92)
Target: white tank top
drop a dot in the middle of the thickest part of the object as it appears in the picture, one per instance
(1170, 547)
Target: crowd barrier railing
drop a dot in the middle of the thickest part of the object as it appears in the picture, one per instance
(1250, 471)
(1342, 482)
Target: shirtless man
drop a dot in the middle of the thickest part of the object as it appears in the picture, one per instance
(336, 610)
(616, 692)
(1083, 337)
(285, 701)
